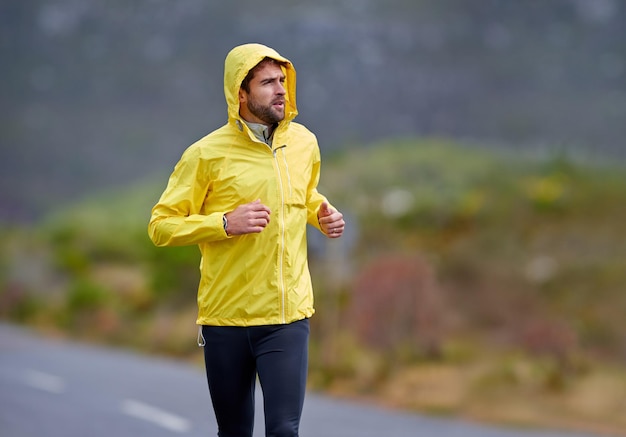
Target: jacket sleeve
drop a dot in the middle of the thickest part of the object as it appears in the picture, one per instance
(314, 198)
(176, 219)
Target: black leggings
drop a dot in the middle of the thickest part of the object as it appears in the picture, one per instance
(233, 358)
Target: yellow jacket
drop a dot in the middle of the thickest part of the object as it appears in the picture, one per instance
(252, 279)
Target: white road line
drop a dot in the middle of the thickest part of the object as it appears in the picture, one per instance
(44, 381)
(155, 415)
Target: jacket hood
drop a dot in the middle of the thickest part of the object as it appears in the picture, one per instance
(244, 58)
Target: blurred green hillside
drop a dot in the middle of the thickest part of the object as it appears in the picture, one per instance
(469, 279)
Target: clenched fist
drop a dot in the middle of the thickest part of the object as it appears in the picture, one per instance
(331, 221)
(249, 218)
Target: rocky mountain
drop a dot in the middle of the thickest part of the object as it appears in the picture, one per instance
(99, 94)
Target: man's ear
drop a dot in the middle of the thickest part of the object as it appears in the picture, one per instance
(242, 95)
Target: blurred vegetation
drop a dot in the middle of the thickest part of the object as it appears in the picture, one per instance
(469, 279)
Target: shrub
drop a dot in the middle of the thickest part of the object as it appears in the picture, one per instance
(397, 306)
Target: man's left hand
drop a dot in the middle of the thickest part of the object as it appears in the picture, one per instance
(331, 221)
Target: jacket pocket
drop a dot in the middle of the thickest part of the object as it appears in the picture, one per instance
(294, 176)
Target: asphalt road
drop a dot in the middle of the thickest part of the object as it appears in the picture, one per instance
(52, 388)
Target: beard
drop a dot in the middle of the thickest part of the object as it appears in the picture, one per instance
(268, 113)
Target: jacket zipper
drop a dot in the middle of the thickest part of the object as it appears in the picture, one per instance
(282, 234)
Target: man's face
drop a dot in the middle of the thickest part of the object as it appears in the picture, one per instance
(265, 103)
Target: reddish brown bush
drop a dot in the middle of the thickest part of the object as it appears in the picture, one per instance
(395, 304)
(549, 337)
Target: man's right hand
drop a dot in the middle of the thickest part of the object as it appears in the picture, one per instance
(249, 218)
